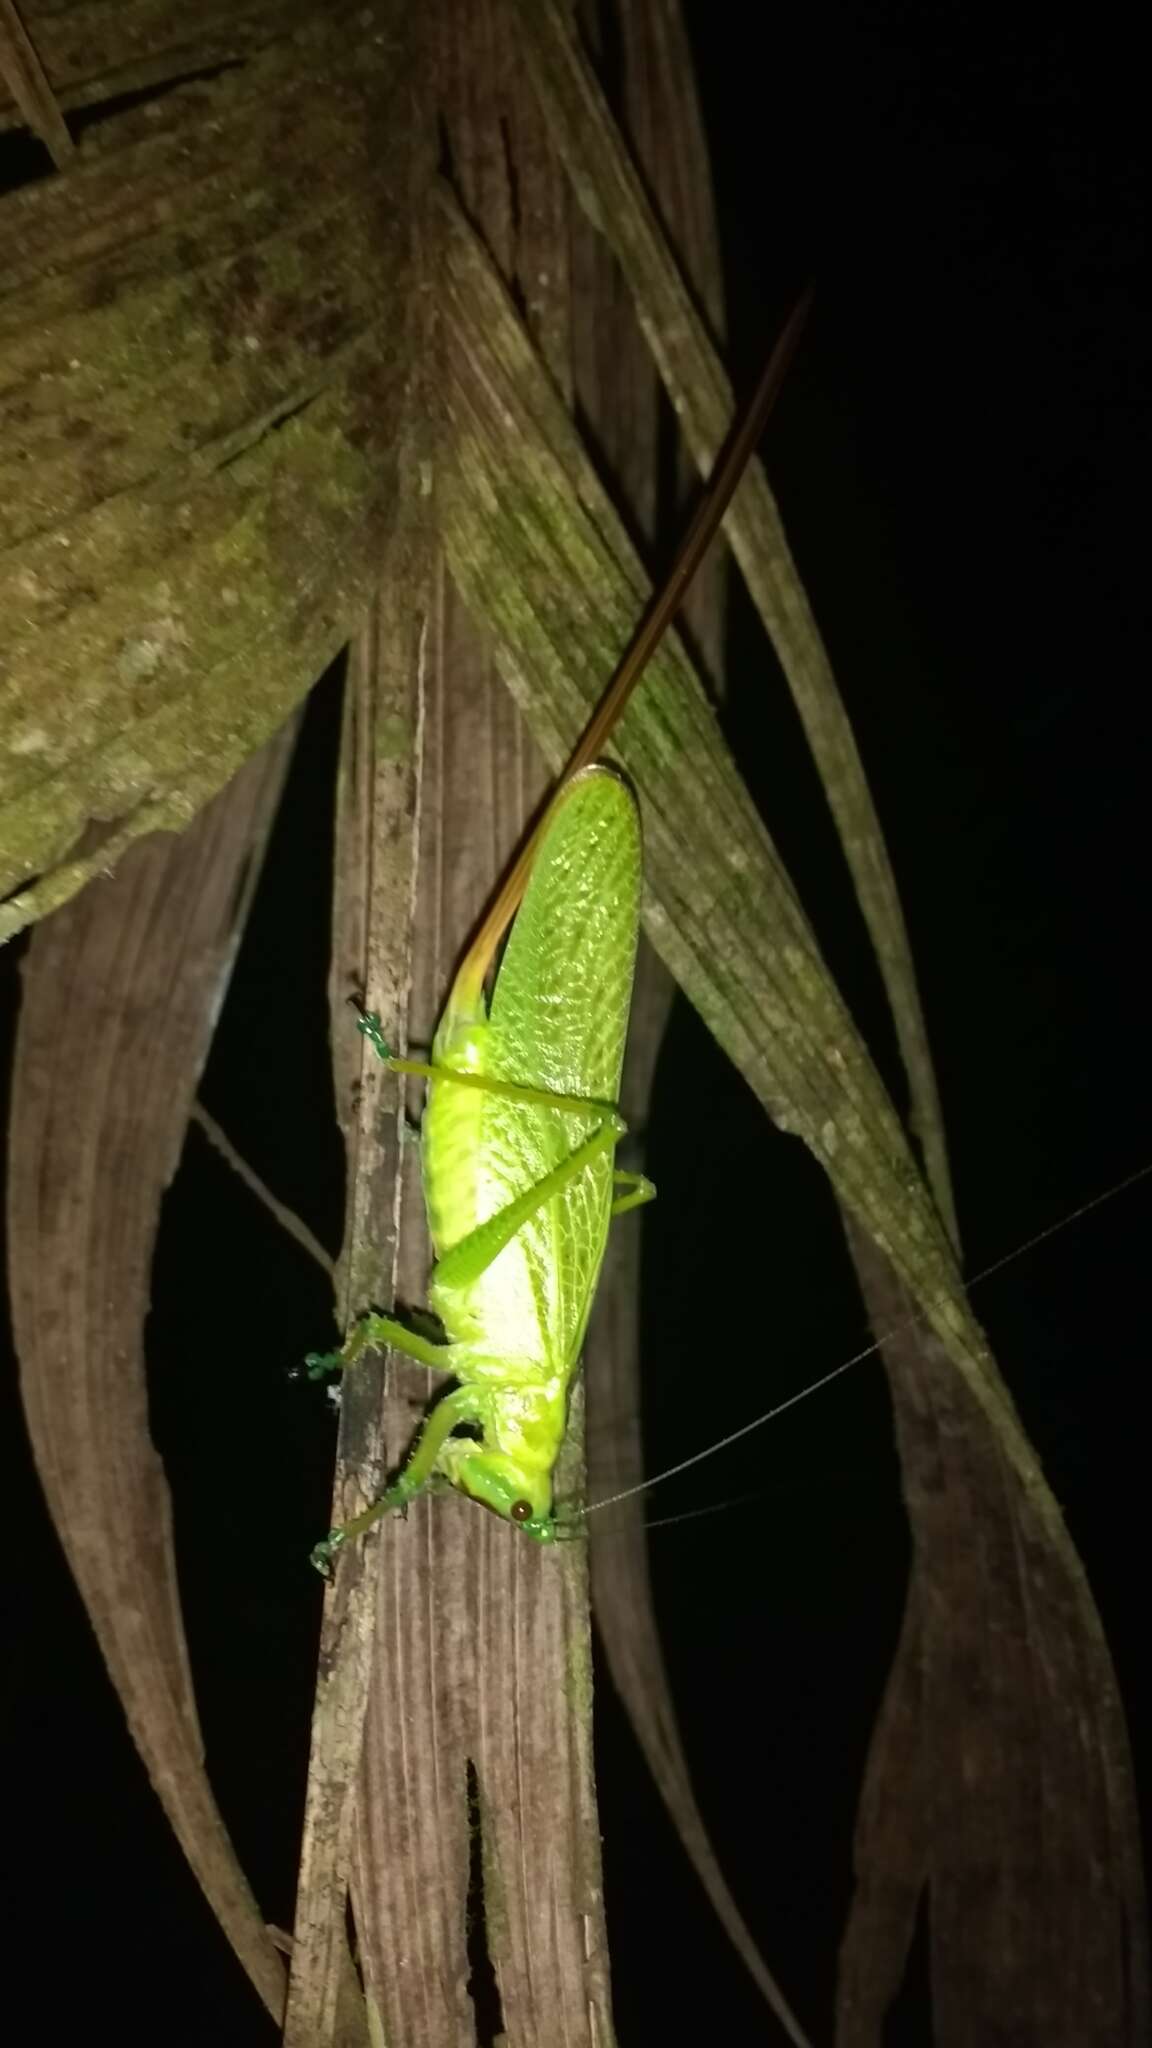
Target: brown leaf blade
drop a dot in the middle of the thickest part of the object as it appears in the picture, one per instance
(120, 995)
(721, 910)
(95, 54)
(376, 824)
(998, 1796)
(989, 1980)
(696, 382)
(24, 75)
(474, 1818)
(617, 390)
(478, 1677)
(535, 543)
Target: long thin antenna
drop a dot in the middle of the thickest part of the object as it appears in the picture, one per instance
(722, 485)
(814, 1386)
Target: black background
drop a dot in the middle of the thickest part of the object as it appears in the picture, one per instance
(959, 457)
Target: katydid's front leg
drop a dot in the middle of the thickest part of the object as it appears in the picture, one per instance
(466, 1404)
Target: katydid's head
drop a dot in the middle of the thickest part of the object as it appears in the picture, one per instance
(517, 1495)
(541, 1527)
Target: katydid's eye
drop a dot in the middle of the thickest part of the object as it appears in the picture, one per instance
(521, 1511)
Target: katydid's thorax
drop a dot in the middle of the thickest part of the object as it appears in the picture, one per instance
(452, 1131)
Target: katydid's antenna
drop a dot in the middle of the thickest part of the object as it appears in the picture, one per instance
(869, 1351)
(722, 484)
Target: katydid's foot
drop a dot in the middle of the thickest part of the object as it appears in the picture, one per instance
(396, 1496)
(324, 1553)
(634, 1189)
(369, 1025)
(317, 1363)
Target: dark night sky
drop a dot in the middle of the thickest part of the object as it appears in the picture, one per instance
(956, 457)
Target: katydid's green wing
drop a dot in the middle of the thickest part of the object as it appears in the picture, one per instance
(558, 1020)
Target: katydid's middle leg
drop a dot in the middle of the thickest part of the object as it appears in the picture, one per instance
(375, 1332)
(485, 1084)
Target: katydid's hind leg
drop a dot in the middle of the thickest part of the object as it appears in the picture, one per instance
(639, 1190)
(465, 1404)
(475, 1253)
(374, 1332)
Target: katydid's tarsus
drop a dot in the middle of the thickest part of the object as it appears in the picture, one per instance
(521, 1127)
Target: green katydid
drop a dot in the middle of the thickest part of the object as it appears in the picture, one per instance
(521, 1127)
